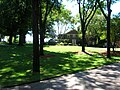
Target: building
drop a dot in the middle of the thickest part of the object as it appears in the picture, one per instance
(70, 37)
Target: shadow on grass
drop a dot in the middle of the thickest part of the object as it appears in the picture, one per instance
(64, 63)
(16, 64)
(106, 77)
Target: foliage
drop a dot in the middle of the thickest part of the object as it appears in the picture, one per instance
(61, 18)
(96, 29)
(64, 20)
(15, 17)
(115, 26)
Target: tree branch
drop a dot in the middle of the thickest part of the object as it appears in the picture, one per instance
(101, 9)
(83, 10)
(81, 19)
(48, 10)
(91, 18)
(94, 7)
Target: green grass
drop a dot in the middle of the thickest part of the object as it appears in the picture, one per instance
(16, 63)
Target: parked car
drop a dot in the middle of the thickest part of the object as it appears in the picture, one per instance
(52, 42)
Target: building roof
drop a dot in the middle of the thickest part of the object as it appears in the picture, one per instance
(72, 32)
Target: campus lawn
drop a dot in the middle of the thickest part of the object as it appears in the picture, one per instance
(16, 62)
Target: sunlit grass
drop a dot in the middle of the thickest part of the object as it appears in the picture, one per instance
(16, 63)
(62, 48)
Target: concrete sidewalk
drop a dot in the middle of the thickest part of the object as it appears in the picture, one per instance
(103, 78)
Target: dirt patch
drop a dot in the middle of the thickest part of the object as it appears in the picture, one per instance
(80, 52)
(115, 53)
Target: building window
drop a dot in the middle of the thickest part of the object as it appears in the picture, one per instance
(74, 35)
(68, 35)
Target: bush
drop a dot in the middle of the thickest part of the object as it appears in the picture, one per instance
(52, 42)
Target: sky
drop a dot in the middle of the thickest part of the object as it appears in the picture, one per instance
(73, 7)
(115, 8)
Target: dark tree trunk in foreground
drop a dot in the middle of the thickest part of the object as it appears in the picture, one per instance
(36, 62)
(0, 38)
(108, 28)
(108, 37)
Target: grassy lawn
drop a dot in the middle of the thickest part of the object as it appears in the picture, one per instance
(16, 63)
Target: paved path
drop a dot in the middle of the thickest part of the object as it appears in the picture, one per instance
(103, 78)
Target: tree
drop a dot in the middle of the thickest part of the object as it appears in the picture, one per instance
(24, 19)
(64, 19)
(87, 9)
(8, 18)
(107, 16)
(45, 9)
(15, 17)
(96, 30)
(35, 8)
(115, 32)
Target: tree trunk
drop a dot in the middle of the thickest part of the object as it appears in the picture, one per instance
(36, 62)
(10, 38)
(83, 37)
(41, 41)
(108, 31)
(108, 37)
(24, 38)
(0, 37)
(21, 39)
(83, 42)
(42, 25)
(15, 37)
(113, 46)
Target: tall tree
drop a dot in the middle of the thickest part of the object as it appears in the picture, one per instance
(107, 17)
(35, 10)
(45, 9)
(87, 9)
